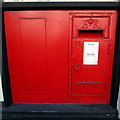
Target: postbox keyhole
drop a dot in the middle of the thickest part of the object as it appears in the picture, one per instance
(76, 66)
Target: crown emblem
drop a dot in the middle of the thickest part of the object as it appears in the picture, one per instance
(90, 23)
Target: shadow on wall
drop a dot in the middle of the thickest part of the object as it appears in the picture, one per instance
(1, 93)
(119, 103)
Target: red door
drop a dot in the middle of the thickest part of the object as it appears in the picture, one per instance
(60, 56)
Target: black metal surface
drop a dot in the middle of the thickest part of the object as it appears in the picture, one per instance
(59, 5)
(116, 68)
(5, 72)
(54, 111)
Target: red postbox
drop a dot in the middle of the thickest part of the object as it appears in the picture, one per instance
(92, 43)
(60, 56)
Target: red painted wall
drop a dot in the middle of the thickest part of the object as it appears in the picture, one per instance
(46, 55)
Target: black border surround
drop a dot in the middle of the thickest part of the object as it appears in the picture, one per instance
(19, 6)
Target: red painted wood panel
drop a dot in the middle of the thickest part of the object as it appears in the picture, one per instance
(44, 47)
(33, 41)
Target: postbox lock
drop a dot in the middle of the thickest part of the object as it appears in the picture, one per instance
(77, 67)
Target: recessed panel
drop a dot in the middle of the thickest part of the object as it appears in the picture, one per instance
(33, 43)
